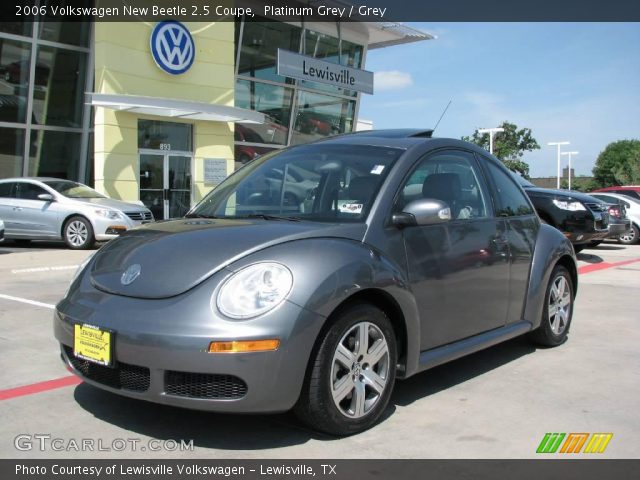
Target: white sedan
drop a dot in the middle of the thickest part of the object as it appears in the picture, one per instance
(633, 213)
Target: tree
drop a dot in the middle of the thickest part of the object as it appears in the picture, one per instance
(618, 164)
(509, 146)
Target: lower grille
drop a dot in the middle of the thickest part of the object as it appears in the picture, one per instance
(203, 385)
(123, 376)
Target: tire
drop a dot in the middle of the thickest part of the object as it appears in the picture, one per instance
(78, 233)
(364, 387)
(579, 248)
(632, 237)
(557, 310)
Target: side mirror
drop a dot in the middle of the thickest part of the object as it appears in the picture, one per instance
(424, 211)
(47, 197)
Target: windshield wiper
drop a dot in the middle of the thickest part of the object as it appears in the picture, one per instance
(271, 217)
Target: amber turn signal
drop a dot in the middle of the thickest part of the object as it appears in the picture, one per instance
(244, 346)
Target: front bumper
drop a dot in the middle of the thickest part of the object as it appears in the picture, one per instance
(618, 227)
(107, 229)
(160, 351)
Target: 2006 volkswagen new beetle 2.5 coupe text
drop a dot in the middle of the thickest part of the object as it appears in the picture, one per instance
(314, 277)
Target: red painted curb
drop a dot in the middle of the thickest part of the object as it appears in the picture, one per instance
(604, 265)
(39, 387)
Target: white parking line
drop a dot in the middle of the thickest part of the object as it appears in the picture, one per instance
(44, 269)
(26, 300)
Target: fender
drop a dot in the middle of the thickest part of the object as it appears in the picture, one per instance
(551, 247)
(341, 268)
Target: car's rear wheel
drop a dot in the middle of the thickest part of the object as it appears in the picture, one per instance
(352, 374)
(78, 233)
(557, 310)
(631, 237)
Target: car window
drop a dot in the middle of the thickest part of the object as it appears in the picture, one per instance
(452, 177)
(512, 200)
(318, 182)
(29, 191)
(7, 190)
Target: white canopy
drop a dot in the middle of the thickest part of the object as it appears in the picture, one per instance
(169, 107)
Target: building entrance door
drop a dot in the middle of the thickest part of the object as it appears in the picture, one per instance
(165, 182)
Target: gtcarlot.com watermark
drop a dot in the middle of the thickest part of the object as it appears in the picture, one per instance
(42, 442)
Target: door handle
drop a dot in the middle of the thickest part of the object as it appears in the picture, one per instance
(17, 209)
(165, 194)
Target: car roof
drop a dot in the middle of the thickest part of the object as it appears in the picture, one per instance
(37, 179)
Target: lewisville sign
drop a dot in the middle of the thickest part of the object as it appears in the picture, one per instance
(314, 70)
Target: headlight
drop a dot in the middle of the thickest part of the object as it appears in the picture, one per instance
(254, 290)
(568, 205)
(106, 213)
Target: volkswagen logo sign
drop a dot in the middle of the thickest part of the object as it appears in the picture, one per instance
(130, 274)
(172, 47)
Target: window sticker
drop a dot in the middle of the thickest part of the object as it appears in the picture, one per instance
(349, 207)
(377, 170)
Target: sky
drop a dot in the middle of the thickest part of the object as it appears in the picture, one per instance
(577, 82)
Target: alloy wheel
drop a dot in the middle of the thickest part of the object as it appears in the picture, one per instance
(559, 307)
(360, 370)
(77, 233)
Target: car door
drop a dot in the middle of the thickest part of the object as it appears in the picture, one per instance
(458, 270)
(7, 204)
(38, 218)
(513, 205)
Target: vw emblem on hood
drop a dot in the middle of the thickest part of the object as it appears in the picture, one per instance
(172, 47)
(130, 274)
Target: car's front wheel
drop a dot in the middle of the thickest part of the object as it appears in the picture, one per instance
(78, 233)
(557, 310)
(352, 374)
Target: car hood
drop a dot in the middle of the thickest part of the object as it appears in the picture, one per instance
(175, 256)
(564, 194)
(111, 203)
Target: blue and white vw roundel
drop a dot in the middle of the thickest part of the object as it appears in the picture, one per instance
(172, 47)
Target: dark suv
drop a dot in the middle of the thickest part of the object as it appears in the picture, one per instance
(583, 219)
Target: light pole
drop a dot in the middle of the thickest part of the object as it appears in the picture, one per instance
(491, 132)
(558, 144)
(569, 153)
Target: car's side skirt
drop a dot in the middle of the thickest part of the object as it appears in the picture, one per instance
(437, 356)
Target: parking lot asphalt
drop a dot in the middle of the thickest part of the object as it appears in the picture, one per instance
(498, 403)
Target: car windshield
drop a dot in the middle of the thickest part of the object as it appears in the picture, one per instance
(73, 189)
(319, 182)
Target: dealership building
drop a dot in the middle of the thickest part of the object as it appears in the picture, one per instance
(161, 112)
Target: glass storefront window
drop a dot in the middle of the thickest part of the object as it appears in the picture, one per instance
(259, 49)
(158, 135)
(320, 116)
(327, 48)
(14, 84)
(54, 154)
(16, 28)
(63, 32)
(76, 33)
(274, 102)
(59, 85)
(11, 152)
(245, 153)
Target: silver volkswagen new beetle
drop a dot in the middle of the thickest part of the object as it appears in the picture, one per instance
(314, 277)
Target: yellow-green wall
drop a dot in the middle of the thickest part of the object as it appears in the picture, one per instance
(124, 65)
